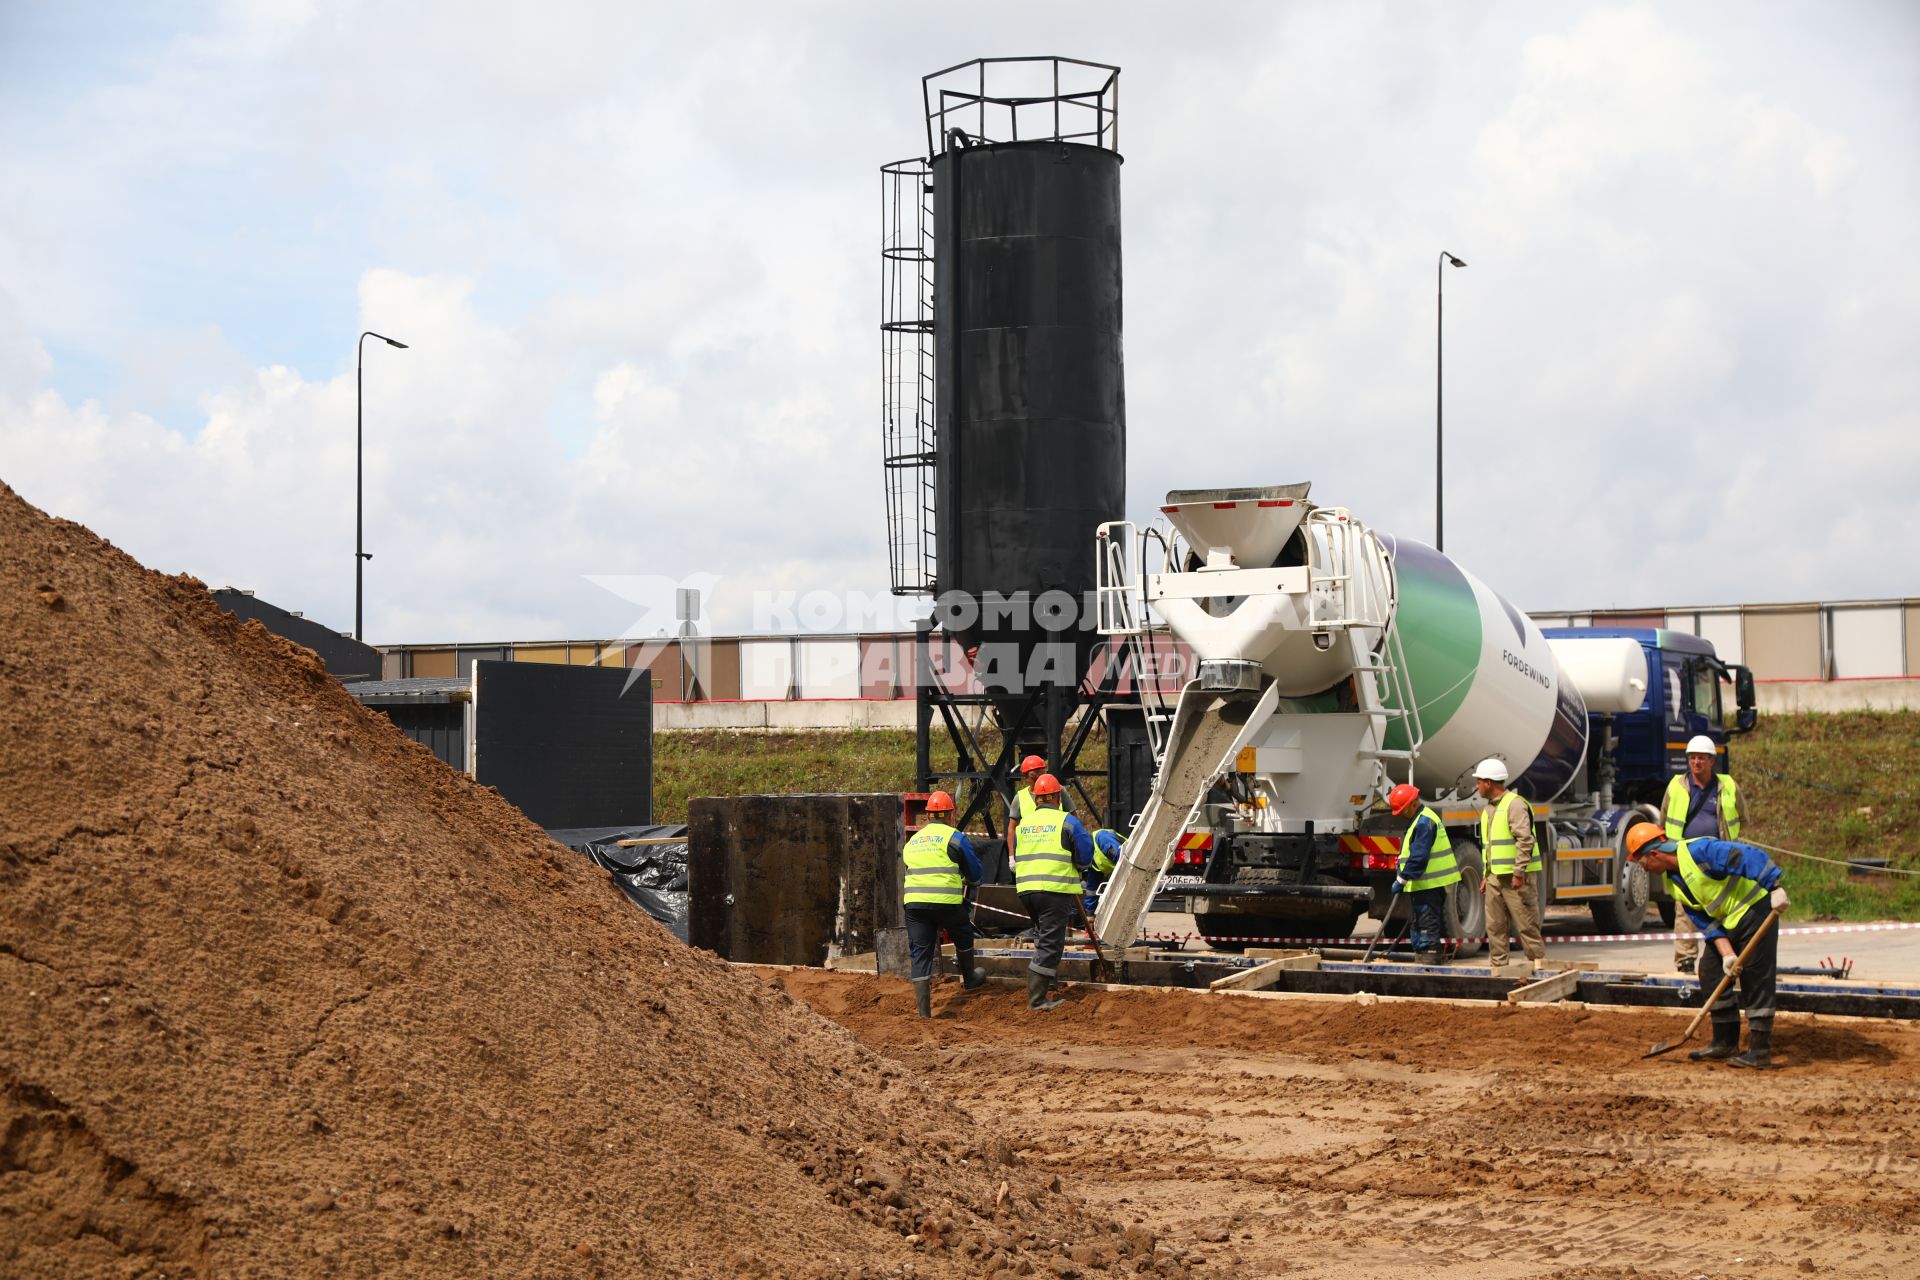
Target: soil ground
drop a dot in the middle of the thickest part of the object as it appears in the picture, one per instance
(1347, 1138)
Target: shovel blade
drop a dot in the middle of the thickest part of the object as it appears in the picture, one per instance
(1663, 1047)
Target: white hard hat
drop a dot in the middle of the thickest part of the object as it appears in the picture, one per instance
(1493, 769)
(1702, 745)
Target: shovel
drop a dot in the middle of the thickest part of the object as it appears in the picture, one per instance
(1393, 898)
(1733, 971)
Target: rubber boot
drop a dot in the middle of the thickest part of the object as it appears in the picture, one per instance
(1037, 998)
(1726, 1039)
(1759, 1052)
(923, 997)
(1428, 957)
(972, 977)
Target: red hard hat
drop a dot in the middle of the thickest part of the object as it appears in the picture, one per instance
(939, 802)
(1402, 798)
(1048, 785)
(1033, 764)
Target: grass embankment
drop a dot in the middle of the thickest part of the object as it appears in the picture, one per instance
(1838, 786)
(721, 763)
(1835, 786)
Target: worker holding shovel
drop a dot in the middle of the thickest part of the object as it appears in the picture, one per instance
(1726, 889)
(1426, 873)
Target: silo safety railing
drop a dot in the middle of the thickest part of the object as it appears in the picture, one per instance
(1033, 99)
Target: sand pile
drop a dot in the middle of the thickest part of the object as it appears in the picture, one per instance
(282, 995)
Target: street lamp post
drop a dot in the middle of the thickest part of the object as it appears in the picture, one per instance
(360, 556)
(1439, 457)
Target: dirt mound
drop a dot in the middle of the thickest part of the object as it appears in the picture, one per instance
(282, 995)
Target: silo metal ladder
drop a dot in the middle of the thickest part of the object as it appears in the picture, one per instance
(1356, 573)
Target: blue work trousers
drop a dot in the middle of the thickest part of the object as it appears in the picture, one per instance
(1429, 907)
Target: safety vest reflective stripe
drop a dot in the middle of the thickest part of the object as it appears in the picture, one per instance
(1725, 901)
(1680, 796)
(1497, 838)
(1442, 869)
(1041, 863)
(932, 875)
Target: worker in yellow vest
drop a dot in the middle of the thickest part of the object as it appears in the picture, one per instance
(1030, 769)
(1700, 803)
(1507, 845)
(1426, 873)
(941, 868)
(1726, 889)
(1050, 849)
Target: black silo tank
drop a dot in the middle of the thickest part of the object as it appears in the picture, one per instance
(1030, 401)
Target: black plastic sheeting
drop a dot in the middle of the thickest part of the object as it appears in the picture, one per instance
(652, 875)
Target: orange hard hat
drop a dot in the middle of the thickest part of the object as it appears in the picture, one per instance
(1402, 798)
(939, 802)
(1033, 764)
(1642, 834)
(1048, 785)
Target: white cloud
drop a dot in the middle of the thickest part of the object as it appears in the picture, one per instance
(633, 251)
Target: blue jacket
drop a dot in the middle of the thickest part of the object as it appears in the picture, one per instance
(1413, 858)
(960, 849)
(1720, 859)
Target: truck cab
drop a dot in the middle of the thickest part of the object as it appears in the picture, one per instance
(1686, 695)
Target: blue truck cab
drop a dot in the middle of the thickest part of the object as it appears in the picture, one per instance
(1686, 695)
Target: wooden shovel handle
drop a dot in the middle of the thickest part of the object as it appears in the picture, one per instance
(1739, 963)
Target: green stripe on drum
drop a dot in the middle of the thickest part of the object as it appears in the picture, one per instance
(1439, 622)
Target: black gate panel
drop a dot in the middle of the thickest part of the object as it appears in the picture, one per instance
(569, 746)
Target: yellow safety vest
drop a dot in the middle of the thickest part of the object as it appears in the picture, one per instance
(1102, 864)
(1725, 901)
(1041, 863)
(933, 877)
(1496, 837)
(1442, 869)
(1024, 804)
(1679, 793)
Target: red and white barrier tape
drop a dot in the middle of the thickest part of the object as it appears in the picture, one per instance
(1785, 930)
(1582, 937)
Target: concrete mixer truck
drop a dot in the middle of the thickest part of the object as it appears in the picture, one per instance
(1332, 661)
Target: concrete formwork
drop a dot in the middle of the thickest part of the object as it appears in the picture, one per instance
(793, 879)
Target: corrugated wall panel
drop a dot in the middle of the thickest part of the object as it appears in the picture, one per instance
(1723, 631)
(470, 656)
(829, 668)
(1630, 620)
(720, 670)
(883, 669)
(432, 662)
(663, 662)
(766, 669)
(393, 665)
(1783, 645)
(1913, 640)
(555, 654)
(1867, 642)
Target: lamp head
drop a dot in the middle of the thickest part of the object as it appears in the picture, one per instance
(1458, 262)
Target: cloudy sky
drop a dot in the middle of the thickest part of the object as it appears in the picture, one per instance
(634, 248)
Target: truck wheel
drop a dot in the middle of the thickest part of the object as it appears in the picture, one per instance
(1466, 910)
(1626, 910)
